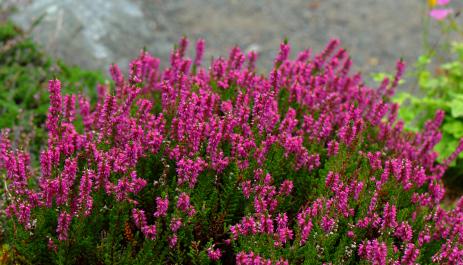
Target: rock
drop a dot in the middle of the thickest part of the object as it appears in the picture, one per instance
(89, 33)
(95, 33)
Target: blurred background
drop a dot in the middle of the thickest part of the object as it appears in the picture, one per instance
(94, 33)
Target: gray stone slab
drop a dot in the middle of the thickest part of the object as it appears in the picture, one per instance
(95, 33)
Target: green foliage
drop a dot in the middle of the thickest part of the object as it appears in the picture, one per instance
(440, 89)
(24, 74)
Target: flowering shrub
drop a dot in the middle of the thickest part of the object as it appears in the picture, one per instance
(193, 166)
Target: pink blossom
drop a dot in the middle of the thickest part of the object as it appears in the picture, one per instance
(173, 241)
(149, 231)
(175, 224)
(443, 2)
(410, 255)
(373, 251)
(64, 221)
(183, 202)
(139, 217)
(286, 187)
(199, 52)
(214, 254)
(162, 206)
(440, 13)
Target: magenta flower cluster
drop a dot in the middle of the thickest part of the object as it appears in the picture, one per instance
(309, 114)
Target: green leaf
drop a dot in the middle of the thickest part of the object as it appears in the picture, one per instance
(423, 60)
(379, 77)
(456, 106)
(454, 127)
(446, 147)
(401, 97)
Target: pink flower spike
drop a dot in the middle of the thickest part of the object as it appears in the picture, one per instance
(162, 207)
(440, 14)
(172, 241)
(149, 231)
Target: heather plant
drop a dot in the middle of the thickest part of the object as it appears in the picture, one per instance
(220, 165)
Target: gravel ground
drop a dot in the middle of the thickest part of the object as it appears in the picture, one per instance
(95, 33)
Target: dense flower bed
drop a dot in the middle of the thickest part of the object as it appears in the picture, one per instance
(193, 165)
